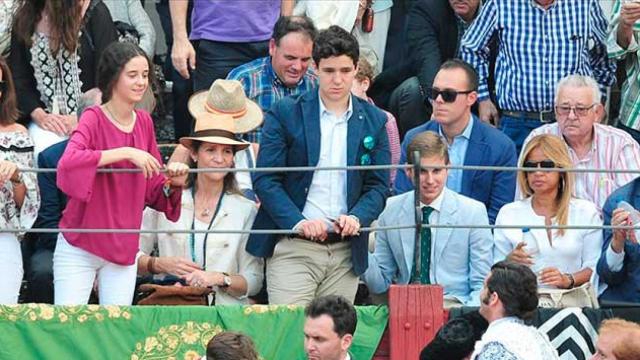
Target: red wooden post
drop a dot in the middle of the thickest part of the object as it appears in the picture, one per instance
(415, 316)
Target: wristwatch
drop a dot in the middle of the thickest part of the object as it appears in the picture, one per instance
(226, 280)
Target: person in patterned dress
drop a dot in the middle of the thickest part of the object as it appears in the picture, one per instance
(19, 198)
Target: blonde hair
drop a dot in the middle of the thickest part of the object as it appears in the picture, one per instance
(626, 335)
(555, 150)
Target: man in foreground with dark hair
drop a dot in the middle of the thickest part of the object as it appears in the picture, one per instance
(455, 340)
(509, 296)
(329, 327)
(324, 128)
(229, 345)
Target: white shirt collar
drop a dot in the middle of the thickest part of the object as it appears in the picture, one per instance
(436, 204)
(346, 115)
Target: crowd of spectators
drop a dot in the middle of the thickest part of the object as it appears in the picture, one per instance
(283, 83)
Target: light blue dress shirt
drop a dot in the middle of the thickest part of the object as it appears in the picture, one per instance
(381, 5)
(457, 153)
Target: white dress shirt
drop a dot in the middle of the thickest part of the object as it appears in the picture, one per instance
(575, 250)
(327, 195)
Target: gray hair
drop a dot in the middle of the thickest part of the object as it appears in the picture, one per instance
(579, 81)
(88, 99)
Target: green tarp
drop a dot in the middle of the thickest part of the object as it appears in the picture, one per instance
(38, 331)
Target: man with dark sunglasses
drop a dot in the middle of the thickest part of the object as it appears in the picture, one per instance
(591, 145)
(471, 141)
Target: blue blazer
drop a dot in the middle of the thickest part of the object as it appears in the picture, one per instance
(462, 258)
(623, 285)
(52, 199)
(488, 146)
(291, 137)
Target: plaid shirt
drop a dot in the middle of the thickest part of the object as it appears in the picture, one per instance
(611, 149)
(630, 102)
(265, 88)
(537, 48)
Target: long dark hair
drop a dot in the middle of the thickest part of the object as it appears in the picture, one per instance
(113, 60)
(229, 181)
(65, 18)
(8, 101)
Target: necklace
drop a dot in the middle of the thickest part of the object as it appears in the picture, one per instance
(116, 119)
(206, 212)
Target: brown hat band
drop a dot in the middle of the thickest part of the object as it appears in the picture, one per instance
(234, 114)
(215, 132)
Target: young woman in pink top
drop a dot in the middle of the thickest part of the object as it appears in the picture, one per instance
(111, 136)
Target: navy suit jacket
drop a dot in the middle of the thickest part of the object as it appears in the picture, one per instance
(623, 285)
(52, 200)
(291, 137)
(487, 147)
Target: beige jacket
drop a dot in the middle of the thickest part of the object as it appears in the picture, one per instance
(224, 252)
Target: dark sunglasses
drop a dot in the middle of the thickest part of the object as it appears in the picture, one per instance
(544, 164)
(448, 95)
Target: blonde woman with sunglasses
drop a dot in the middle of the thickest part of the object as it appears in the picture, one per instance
(562, 258)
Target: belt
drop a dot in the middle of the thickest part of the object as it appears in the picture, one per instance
(332, 238)
(542, 116)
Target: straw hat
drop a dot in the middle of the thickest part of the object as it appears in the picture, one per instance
(215, 129)
(227, 97)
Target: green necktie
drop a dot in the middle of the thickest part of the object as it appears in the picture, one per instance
(425, 247)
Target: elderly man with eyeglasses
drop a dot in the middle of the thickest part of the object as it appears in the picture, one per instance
(470, 141)
(591, 145)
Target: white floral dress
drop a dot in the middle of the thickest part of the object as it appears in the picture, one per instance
(17, 147)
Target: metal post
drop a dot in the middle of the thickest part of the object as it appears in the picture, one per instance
(417, 212)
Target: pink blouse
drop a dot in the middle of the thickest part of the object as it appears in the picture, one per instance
(110, 200)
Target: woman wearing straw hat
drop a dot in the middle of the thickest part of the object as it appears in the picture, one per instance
(211, 202)
(227, 97)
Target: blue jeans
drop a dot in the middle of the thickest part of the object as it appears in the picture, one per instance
(517, 129)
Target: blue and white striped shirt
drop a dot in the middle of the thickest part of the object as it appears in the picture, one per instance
(537, 48)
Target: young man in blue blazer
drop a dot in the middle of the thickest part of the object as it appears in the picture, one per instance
(470, 140)
(325, 128)
(457, 258)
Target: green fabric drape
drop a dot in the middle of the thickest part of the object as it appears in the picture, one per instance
(38, 331)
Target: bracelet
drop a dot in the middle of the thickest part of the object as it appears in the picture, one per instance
(572, 280)
(166, 188)
(151, 265)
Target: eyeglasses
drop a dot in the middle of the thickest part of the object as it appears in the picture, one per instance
(564, 110)
(448, 95)
(544, 164)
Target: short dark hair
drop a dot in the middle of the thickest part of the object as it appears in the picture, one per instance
(516, 286)
(335, 41)
(339, 309)
(472, 75)
(456, 339)
(112, 61)
(229, 345)
(289, 24)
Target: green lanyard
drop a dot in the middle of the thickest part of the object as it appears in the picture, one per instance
(192, 238)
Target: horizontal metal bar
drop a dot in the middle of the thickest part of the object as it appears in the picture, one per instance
(360, 168)
(292, 232)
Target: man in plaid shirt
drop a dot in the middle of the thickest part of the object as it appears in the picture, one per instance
(285, 71)
(539, 42)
